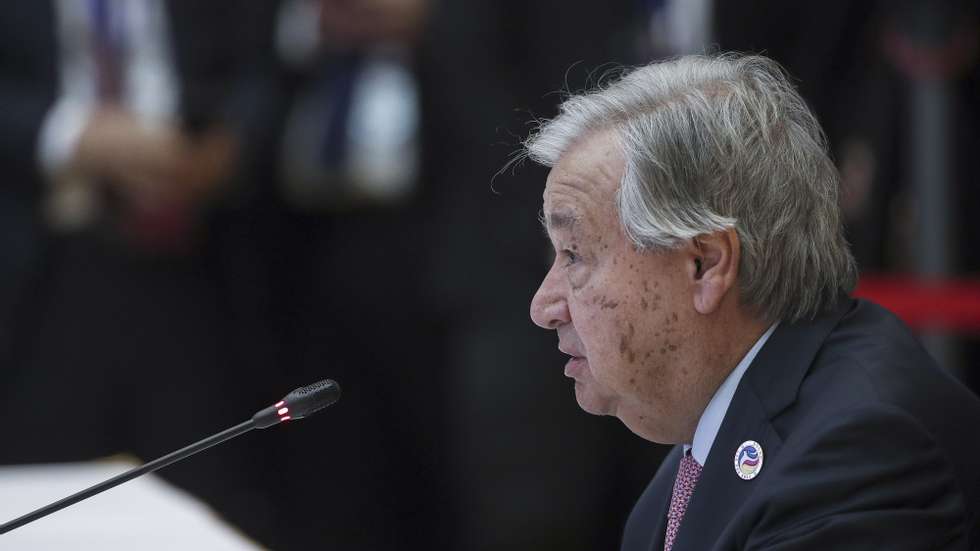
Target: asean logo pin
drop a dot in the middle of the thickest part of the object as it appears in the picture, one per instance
(748, 460)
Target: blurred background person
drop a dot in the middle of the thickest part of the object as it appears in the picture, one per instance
(346, 273)
(130, 132)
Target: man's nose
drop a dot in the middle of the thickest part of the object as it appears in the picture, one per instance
(549, 308)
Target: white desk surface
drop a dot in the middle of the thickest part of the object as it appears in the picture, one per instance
(146, 513)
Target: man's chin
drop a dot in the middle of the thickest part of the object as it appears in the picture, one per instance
(590, 401)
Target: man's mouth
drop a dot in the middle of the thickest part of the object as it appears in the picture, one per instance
(576, 366)
(574, 353)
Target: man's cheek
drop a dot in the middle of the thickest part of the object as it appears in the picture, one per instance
(598, 381)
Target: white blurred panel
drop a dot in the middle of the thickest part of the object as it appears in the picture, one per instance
(146, 513)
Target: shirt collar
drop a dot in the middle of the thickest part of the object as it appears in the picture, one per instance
(714, 413)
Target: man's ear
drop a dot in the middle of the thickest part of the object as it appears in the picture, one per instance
(713, 267)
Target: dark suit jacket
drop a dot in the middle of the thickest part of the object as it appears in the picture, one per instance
(868, 445)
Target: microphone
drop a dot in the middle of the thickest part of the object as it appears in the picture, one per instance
(298, 404)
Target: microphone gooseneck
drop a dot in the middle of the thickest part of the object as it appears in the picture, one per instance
(300, 403)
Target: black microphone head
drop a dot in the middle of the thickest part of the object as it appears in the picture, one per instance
(307, 400)
(300, 403)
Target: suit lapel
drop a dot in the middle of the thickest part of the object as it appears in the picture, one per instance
(720, 491)
(770, 385)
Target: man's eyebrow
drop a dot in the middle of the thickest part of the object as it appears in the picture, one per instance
(558, 220)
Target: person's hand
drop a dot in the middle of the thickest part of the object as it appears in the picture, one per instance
(153, 165)
(140, 161)
(359, 23)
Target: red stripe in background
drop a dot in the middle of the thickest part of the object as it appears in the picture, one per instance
(946, 305)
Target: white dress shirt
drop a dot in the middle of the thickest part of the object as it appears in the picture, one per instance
(714, 413)
(149, 91)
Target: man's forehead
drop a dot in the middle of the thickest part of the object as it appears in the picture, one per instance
(573, 203)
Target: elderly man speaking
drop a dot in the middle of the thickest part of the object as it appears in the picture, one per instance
(700, 286)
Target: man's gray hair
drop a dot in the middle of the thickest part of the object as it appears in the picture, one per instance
(718, 142)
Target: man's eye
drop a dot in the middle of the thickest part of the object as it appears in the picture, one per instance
(571, 257)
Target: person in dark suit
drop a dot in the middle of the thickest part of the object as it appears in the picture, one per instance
(699, 286)
(865, 443)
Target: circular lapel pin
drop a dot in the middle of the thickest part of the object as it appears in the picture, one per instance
(748, 460)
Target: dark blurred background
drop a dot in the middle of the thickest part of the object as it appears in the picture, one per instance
(207, 204)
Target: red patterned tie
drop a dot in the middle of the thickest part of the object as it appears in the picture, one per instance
(687, 478)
